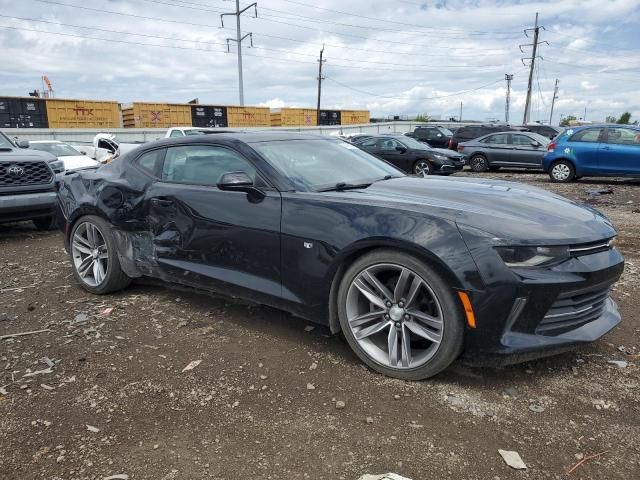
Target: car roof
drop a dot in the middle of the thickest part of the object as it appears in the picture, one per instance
(246, 137)
(45, 141)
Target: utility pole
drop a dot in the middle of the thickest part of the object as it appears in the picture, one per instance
(239, 38)
(460, 112)
(320, 78)
(553, 101)
(536, 32)
(508, 78)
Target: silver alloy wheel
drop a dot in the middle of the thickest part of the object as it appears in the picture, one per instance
(90, 254)
(478, 164)
(422, 168)
(560, 171)
(394, 316)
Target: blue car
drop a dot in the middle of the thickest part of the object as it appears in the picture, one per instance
(594, 151)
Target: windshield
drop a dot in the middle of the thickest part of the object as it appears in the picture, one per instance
(317, 164)
(4, 141)
(413, 143)
(446, 131)
(196, 132)
(58, 149)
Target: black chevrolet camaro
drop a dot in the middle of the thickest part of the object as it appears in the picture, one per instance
(414, 271)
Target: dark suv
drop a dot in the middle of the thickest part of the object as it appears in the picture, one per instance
(471, 132)
(27, 184)
(435, 135)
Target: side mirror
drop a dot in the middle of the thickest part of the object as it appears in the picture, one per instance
(536, 144)
(401, 149)
(82, 152)
(23, 143)
(238, 181)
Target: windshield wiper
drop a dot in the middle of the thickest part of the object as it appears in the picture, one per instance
(339, 187)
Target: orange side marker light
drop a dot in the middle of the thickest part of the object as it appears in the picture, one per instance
(468, 310)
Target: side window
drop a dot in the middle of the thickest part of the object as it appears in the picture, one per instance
(497, 139)
(521, 140)
(151, 162)
(588, 135)
(369, 143)
(203, 164)
(623, 136)
(176, 133)
(388, 144)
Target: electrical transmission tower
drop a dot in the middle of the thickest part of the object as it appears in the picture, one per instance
(239, 38)
(534, 50)
(553, 101)
(320, 78)
(508, 78)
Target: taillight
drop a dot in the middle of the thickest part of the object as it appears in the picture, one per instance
(450, 144)
(551, 147)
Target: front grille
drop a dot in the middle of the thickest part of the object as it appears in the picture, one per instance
(24, 173)
(572, 310)
(589, 248)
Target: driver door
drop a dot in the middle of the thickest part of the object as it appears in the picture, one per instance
(395, 152)
(206, 236)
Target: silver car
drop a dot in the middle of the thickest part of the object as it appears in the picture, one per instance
(505, 149)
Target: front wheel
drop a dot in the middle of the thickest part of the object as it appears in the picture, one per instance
(423, 168)
(478, 163)
(562, 171)
(399, 315)
(94, 257)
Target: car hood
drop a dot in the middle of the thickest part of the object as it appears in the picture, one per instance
(72, 162)
(506, 210)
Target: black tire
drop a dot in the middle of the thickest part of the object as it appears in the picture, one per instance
(423, 168)
(453, 318)
(562, 171)
(46, 223)
(114, 278)
(479, 163)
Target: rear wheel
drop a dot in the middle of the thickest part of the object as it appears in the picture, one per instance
(94, 257)
(46, 223)
(562, 171)
(479, 163)
(399, 315)
(423, 168)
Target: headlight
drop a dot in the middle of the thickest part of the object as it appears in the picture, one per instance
(57, 166)
(442, 158)
(532, 256)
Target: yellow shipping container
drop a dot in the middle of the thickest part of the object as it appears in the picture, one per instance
(248, 117)
(294, 117)
(354, 117)
(156, 115)
(63, 113)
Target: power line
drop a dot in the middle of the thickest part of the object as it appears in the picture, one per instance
(179, 22)
(121, 32)
(279, 59)
(412, 98)
(350, 14)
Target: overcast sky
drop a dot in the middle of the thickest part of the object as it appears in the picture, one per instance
(393, 57)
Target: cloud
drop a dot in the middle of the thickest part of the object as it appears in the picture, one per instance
(415, 59)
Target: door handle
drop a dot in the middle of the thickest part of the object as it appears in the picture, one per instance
(159, 202)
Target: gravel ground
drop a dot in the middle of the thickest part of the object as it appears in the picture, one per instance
(103, 391)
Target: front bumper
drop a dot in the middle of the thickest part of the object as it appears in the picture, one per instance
(542, 312)
(27, 206)
(449, 168)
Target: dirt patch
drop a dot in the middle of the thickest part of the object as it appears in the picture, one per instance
(103, 392)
